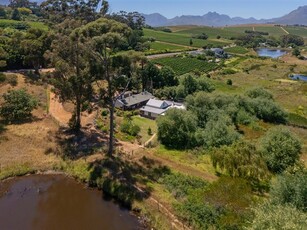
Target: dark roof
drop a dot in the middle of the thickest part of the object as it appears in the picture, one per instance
(135, 99)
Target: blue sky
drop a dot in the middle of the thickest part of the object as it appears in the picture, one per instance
(243, 8)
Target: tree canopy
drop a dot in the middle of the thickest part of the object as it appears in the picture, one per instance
(280, 149)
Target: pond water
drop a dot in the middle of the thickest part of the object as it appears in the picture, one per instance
(300, 77)
(272, 53)
(57, 202)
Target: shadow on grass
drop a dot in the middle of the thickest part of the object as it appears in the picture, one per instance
(30, 119)
(2, 128)
(76, 145)
(124, 180)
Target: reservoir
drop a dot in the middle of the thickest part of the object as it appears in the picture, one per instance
(300, 77)
(58, 202)
(272, 53)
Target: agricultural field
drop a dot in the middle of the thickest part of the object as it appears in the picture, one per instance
(182, 65)
(160, 47)
(183, 39)
(272, 30)
(301, 31)
(212, 32)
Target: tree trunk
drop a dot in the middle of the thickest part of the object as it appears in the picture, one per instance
(77, 124)
(111, 134)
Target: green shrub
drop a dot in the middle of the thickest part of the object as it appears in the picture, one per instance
(259, 93)
(12, 80)
(104, 112)
(270, 216)
(218, 131)
(240, 160)
(18, 105)
(177, 129)
(280, 149)
(2, 77)
(244, 118)
(149, 131)
(228, 71)
(180, 185)
(268, 110)
(290, 190)
(128, 127)
(198, 214)
(229, 82)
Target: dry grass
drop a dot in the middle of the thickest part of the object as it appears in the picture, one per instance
(30, 145)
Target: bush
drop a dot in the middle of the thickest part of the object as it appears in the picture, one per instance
(12, 80)
(149, 131)
(129, 128)
(268, 110)
(177, 129)
(270, 216)
(104, 112)
(2, 77)
(229, 82)
(2, 13)
(24, 11)
(16, 15)
(259, 93)
(280, 149)
(180, 185)
(198, 214)
(228, 71)
(18, 105)
(291, 190)
(218, 131)
(292, 39)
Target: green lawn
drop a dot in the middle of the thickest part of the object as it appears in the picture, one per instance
(237, 50)
(144, 124)
(182, 65)
(183, 39)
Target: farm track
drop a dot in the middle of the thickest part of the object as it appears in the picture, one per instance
(170, 43)
(284, 30)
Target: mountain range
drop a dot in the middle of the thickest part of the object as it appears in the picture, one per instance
(298, 16)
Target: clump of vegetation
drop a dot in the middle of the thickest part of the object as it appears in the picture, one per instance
(270, 216)
(228, 71)
(177, 128)
(128, 127)
(202, 36)
(291, 190)
(12, 80)
(2, 77)
(216, 116)
(291, 39)
(187, 85)
(180, 185)
(242, 160)
(280, 149)
(18, 105)
(229, 82)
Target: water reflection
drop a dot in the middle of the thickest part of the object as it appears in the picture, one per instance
(57, 202)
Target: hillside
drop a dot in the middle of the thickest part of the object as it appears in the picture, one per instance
(298, 16)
